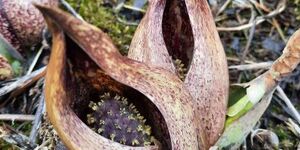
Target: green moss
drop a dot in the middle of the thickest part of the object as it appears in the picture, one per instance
(286, 137)
(297, 9)
(6, 146)
(94, 12)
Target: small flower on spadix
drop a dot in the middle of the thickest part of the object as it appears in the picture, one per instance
(113, 118)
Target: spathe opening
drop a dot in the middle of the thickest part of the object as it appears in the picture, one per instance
(86, 82)
(177, 31)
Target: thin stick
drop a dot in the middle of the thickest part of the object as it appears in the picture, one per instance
(294, 113)
(118, 8)
(23, 81)
(129, 23)
(251, 35)
(10, 135)
(119, 5)
(235, 59)
(293, 127)
(279, 30)
(262, 65)
(134, 8)
(37, 120)
(70, 9)
(261, 6)
(224, 6)
(240, 21)
(258, 20)
(43, 144)
(16, 117)
(36, 58)
(39, 53)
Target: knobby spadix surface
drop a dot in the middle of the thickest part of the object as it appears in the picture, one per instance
(162, 87)
(186, 30)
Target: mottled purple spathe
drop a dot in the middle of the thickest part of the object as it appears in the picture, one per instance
(21, 24)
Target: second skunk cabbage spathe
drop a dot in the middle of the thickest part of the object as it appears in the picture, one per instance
(187, 114)
(21, 24)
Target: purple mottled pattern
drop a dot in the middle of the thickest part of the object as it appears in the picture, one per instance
(20, 23)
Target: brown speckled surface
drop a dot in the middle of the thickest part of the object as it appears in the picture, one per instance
(20, 22)
(207, 78)
(187, 31)
(6, 30)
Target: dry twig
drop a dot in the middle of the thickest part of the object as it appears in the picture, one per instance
(224, 6)
(70, 9)
(23, 82)
(290, 107)
(16, 117)
(258, 20)
(38, 119)
(293, 127)
(251, 35)
(262, 65)
(13, 137)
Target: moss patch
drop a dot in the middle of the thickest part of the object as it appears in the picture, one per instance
(96, 13)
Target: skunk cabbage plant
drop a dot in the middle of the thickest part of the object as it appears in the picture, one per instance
(183, 114)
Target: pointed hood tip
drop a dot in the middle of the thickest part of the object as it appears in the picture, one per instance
(38, 6)
(44, 9)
